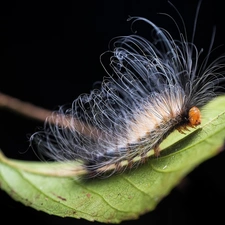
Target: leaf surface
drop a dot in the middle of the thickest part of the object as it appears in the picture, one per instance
(125, 196)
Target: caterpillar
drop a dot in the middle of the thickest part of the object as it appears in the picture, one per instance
(153, 88)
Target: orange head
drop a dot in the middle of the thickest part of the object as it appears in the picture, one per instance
(194, 116)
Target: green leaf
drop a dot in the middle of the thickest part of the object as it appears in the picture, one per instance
(44, 186)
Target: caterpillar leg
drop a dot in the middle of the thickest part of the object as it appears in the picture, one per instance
(157, 151)
(184, 128)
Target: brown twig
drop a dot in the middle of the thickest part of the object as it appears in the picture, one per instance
(25, 108)
(29, 110)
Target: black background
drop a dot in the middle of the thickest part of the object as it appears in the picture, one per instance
(50, 54)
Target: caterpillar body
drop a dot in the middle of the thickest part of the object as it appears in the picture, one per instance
(154, 88)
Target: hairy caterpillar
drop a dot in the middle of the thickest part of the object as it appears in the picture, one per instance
(154, 88)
